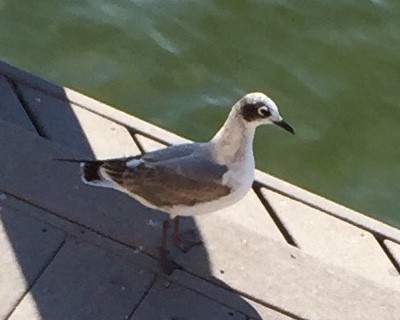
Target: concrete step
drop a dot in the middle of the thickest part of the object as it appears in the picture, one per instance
(271, 272)
(290, 253)
(216, 296)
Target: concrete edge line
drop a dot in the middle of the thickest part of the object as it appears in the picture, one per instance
(28, 112)
(271, 211)
(386, 250)
(143, 297)
(12, 109)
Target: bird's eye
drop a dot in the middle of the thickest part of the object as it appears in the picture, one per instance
(264, 112)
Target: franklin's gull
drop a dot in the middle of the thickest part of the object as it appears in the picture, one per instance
(192, 178)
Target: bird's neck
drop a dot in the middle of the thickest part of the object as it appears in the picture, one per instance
(234, 141)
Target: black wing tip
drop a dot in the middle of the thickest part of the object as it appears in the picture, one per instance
(90, 168)
(90, 171)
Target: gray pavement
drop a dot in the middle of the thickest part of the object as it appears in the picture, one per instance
(71, 251)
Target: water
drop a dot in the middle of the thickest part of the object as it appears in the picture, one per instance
(333, 67)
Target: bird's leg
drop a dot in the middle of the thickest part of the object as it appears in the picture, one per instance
(176, 240)
(186, 242)
(167, 265)
(163, 248)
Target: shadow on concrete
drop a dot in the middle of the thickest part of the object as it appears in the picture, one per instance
(68, 278)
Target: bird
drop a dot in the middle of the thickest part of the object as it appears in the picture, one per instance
(192, 178)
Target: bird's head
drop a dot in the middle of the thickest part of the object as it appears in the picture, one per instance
(256, 109)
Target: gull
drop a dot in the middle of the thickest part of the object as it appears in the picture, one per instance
(192, 178)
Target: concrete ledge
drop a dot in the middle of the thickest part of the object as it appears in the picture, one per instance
(74, 97)
(329, 207)
(166, 137)
(83, 235)
(286, 277)
(77, 128)
(280, 253)
(334, 241)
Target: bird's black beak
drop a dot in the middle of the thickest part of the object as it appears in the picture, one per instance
(284, 125)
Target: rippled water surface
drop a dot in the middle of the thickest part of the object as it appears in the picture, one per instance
(333, 67)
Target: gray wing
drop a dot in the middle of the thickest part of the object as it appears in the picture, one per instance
(180, 175)
(195, 168)
(172, 152)
(191, 160)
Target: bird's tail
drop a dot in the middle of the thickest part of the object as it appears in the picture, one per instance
(89, 169)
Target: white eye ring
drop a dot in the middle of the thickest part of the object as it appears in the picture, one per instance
(264, 112)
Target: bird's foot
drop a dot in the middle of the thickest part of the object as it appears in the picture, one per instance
(187, 240)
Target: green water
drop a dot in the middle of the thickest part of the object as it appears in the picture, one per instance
(333, 67)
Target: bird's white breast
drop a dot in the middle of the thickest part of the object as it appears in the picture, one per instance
(239, 178)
